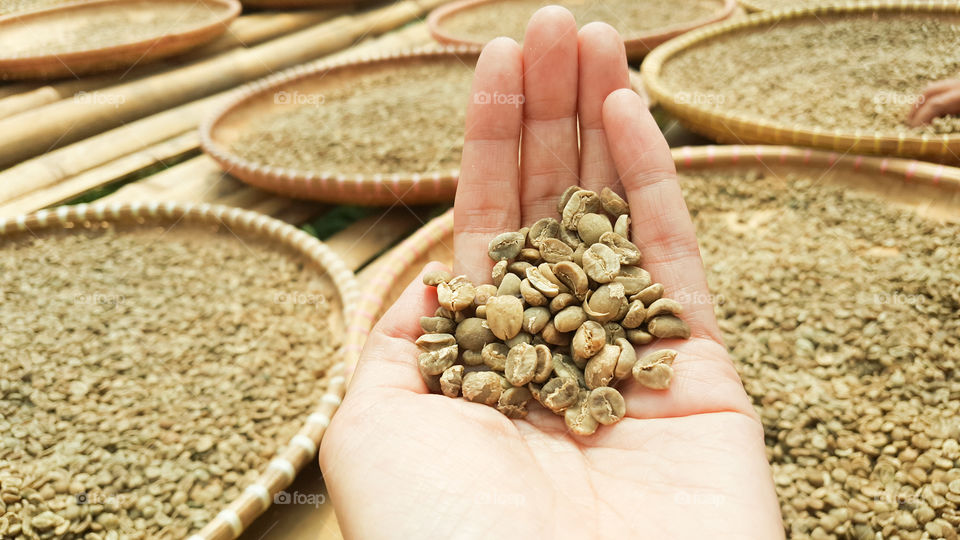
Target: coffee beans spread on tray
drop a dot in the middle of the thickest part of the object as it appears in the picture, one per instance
(147, 376)
(383, 119)
(850, 72)
(558, 324)
(841, 314)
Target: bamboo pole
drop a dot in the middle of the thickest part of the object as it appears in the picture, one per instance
(246, 31)
(39, 130)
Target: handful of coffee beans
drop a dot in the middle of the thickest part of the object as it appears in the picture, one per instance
(559, 323)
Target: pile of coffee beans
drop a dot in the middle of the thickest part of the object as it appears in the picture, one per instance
(567, 305)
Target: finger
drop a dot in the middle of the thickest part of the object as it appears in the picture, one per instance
(661, 228)
(487, 200)
(550, 157)
(389, 358)
(603, 69)
(944, 103)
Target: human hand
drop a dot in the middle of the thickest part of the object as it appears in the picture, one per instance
(688, 462)
(939, 99)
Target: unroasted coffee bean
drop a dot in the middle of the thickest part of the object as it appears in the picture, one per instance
(529, 255)
(614, 332)
(608, 302)
(473, 333)
(589, 339)
(601, 367)
(638, 336)
(541, 230)
(635, 316)
(521, 364)
(633, 278)
(622, 226)
(592, 227)
(519, 268)
(559, 393)
(554, 250)
(436, 277)
(562, 301)
(578, 417)
(654, 370)
(650, 294)
(522, 337)
(482, 387)
(626, 360)
(579, 204)
(546, 270)
(544, 363)
(456, 294)
(578, 254)
(506, 246)
(509, 285)
(434, 362)
(437, 325)
(431, 380)
(574, 277)
(663, 306)
(625, 250)
(565, 197)
(569, 319)
(668, 326)
(546, 287)
(571, 238)
(471, 358)
(484, 292)
(534, 319)
(600, 263)
(451, 380)
(494, 356)
(553, 336)
(612, 203)
(513, 402)
(531, 295)
(504, 316)
(497, 273)
(435, 342)
(480, 312)
(606, 405)
(565, 368)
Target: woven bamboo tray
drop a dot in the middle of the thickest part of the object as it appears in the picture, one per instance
(929, 189)
(730, 127)
(637, 45)
(62, 19)
(230, 522)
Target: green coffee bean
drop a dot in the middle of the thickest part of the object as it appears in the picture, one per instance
(635, 316)
(522, 337)
(667, 327)
(436, 277)
(482, 387)
(606, 303)
(494, 356)
(612, 203)
(531, 295)
(546, 270)
(509, 285)
(456, 294)
(570, 238)
(529, 255)
(471, 358)
(504, 316)
(580, 203)
(519, 268)
(521, 364)
(633, 278)
(625, 249)
(498, 272)
(562, 301)
(506, 246)
(606, 405)
(601, 263)
(578, 417)
(434, 342)
(534, 319)
(434, 362)
(574, 277)
(626, 360)
(601, 367)
(565, 197)
(473, 333)
(622, 226)
(613, 331)
(559, 393)
(589, 339)
(592, 226)
(649, 295)
(564, 367)
(484, 292)
(451, 381)
(555, 337)
(638, 336)
(546, 287)
(544, 363)
(654, 370)
(437, 325)
(541, 230)
(513, 402)
(569, 319)
(662, 306)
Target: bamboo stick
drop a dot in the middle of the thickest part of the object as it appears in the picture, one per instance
(246, 31)
(32, 132)
(152, 155)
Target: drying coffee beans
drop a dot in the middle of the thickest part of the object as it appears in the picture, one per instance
(567, 305)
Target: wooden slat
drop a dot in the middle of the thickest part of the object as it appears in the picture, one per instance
(32, 132)
(368, 237)
(246, 31)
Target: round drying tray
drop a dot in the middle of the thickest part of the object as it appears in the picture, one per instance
(242, 224)
(929, 188)
(725, 126)
(81, 20)
(300, 4)
(253, 101)
(637, 45)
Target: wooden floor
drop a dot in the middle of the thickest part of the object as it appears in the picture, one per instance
(132, 136)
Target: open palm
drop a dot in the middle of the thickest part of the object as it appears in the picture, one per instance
(688, 462)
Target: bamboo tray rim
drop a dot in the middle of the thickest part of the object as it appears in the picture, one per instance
(231, 10)
(436, 17)
(772, 132)
(686, 158)
(294, 182)
(302, 447)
